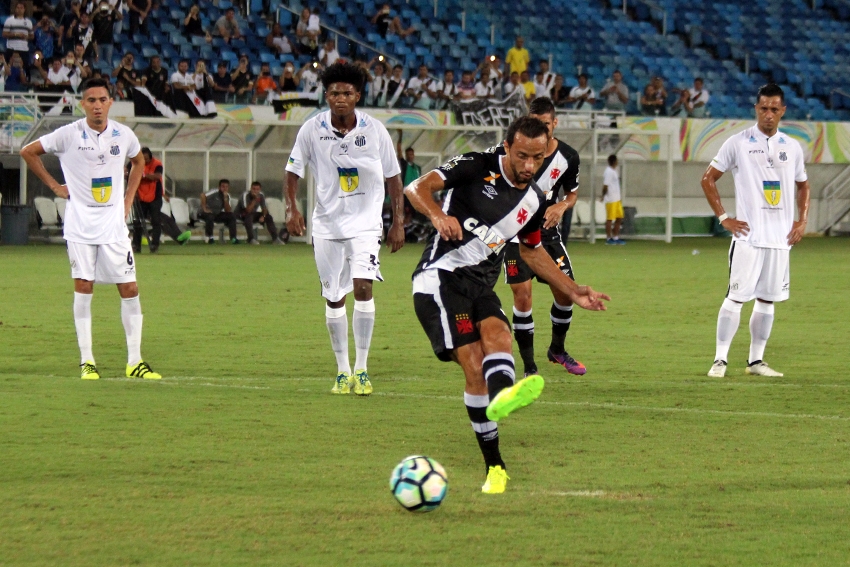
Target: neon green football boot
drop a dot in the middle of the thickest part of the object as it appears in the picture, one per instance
(362, 385)
(88, 371)
(497, 480)
(343, 383)
(142, 370)
(517, 396)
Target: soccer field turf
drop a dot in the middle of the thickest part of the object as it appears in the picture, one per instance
(241, 455)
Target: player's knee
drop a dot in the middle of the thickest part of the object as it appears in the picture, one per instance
(522, 298)
(362, 290)
(128, 290)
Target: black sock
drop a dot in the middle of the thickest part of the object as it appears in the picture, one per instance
(524, 333)
(498, 372)
(486, 431)
(561, 317)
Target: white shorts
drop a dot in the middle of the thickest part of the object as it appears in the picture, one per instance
(102, 263)
(340, 262)
(763, 273)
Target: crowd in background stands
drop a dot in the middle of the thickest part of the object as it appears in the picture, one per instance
(63, 46)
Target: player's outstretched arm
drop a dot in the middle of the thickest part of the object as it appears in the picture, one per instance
(420, 193)
(395, 236)
(582, 295)
(32, 153)
(709, 187)
(137, 169)
(294, 220)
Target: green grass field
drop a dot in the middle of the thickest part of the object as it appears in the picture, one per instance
(241, 456)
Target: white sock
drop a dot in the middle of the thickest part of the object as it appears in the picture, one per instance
(761, 322)
(82, 320)
(131, 316)
(363, 323)
(727, 325)
(337, 322)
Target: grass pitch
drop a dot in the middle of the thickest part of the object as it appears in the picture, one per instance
(241, 456)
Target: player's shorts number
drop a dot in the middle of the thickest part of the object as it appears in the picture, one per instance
(129, 258)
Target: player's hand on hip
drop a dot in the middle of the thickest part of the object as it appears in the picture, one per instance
(797, 232)
(448, 227)
(554, 215)
(586, 298)
(395, 237)
(62, 191)
(736, 227)
(295, 225)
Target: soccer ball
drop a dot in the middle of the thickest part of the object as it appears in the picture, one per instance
(419, 483)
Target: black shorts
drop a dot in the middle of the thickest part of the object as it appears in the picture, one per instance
(449, 308)
(517, 271)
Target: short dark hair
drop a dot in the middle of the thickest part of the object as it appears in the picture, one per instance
(220, 181)
(528, 127)
(186, 61)
(410, 149)
(256, 183)
(347, 73)
(771, 89)
(222, 64)
(582, 75)
(612, 159)
(94, 83)
(147, 151)
(541, 105)
(699, 79)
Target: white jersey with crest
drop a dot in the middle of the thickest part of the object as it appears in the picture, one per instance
(350, 172)
(93, 166)
(765, 170)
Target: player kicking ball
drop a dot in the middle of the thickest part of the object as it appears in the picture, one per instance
(491, 199)
(351, 156)
(92, 152)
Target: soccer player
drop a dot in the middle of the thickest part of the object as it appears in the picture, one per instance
(559, 171)
(770, 179)
(351, 156)
(92, 152)
(491, 198)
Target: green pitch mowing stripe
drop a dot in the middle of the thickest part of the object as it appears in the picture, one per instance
(241, 456)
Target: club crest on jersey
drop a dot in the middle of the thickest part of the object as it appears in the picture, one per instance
(349, 179)
(555, 173)
(772, 193)
(101, 189)
(463, 324)
(489, 191)
(360, 141)
(115, 150)
(487, 235)
(522, 216)
(511, 268)
(783, 156)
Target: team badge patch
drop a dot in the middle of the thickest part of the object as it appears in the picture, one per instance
(115, 150)
(101, 189)
(772, 193)
(783, 156)
(555, 173)
(511, 268)
(349, 179)
(522, 216)
(463, 324)
(360, 141)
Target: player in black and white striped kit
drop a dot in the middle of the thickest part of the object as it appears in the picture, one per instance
(491, 199)
(560, 171)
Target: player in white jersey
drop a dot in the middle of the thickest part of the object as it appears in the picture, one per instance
(769, 172)
(92, 153)
(351, 156)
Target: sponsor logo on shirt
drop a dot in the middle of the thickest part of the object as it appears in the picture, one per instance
(782, 140)
(349, 179)
(756, 152)
(291, 160)
(101, 189)
(489, 191)
(492, 177)
(752, 139)
(115, 133)
(772, 193)
(463, 324)
(327, 138)
(485, 233)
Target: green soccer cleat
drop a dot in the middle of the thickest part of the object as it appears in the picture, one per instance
(88, 371)
(343, 383)
(184, 237)
(517, 396)
(497, 480)
(362, 385)
(142, 370)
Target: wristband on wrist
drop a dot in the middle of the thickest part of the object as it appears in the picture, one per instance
(723, 217)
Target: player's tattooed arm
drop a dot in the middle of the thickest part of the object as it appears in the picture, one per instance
(420, 193)
(137, 169)
(32, 153)
(395, 236)
(582, 295)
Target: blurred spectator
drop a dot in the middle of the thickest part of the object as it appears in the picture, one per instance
(265, 84)
(148, 203)
(252, 208)
(540, 87)
(376, 90)
(59, 75)
(243, 81)
(466, 86)
(328, 54)
(560, 93)
(416, 93)
(204, 82)
(548, 76)
(697, 99)
(528, 86)
(308, 77)
(387, 23)
(68, 21)
(18, 33)
(445, 91)
(615, 92)
(38, 73)
(497, 73)
(308, 39)
(653, 102)
(182, 79)
(215, 207)
(278, 41)
(139, 10)
(16, 76)
(396, 85)
(104, 26)
(83, 34)
(314, 23)
(582, 96)
(484, 88)
(288, 79)
(512, 84)
(410, 170)
(127, 75)
(192, 24)
(83, 65)
(46, 36)
(227, 27)
(518, 57)
(155, 78)
(77, 70)
(223, 87)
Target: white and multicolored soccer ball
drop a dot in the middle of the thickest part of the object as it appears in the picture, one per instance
(419, 483)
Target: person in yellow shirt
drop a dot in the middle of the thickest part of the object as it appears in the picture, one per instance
(528, 86)
(518, 57)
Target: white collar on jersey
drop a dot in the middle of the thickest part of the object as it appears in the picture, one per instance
(502, 169)
(86, 128)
